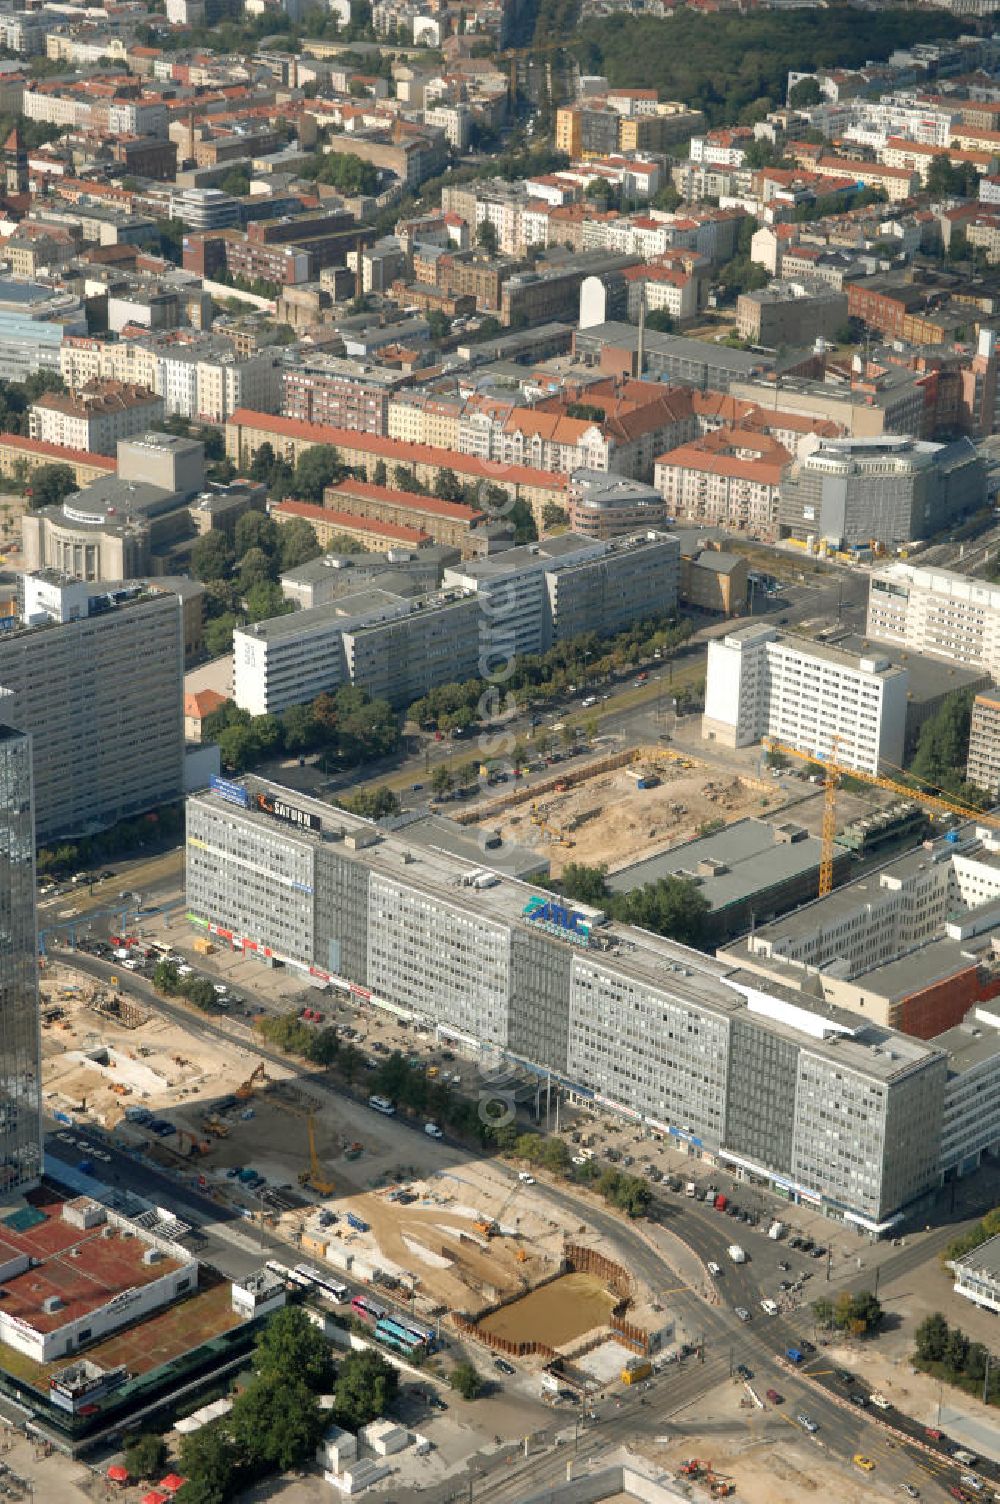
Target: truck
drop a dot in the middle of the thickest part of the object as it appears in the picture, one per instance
(878, 1400)
(777, 1230)
(721, 1202)
(736, 1253)
(637, 1371)
(690, 1189)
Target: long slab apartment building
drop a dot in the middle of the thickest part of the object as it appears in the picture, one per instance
(832, 1109)
(397, 648)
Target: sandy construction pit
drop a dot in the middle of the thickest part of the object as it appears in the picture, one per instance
(610, 820)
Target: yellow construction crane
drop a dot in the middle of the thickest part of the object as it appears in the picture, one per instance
(313, 1177)
(834, 771)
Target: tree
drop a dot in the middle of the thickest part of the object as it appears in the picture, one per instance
(166, 978)
(366, 1386)
(298, 543)
(555, 1156)
(199, 990)
(931, 1338)
(277, 1421)
(805, 93)
(438, 324)
(51, 484)
(210, 1463)
(265, 600)
(316, 469)
(943, 744)
(145, 1456)
(262, 465)
(465, 1381)
(553, 515)
(219, 634)
(823, 1311)
(957, 1350)
(256, 568)
(211, 557)
(236, 182)
(298, 728)
(291, 1346)
(441, 779)
(660, 321)
(522, 519)
(379, 474)
(255, 530)
(666, 198)
(486, 237)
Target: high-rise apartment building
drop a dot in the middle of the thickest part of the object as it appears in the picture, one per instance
(20, 1040)
(810, 695)
(935, 611)
(96, 680)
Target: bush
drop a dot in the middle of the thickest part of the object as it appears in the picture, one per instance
(465, 1381)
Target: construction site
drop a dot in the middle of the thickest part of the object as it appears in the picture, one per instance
(347, 1186)
(617, 809)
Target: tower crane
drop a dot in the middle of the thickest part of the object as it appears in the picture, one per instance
(833, 772)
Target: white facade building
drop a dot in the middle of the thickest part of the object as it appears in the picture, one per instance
(936, 611)
(819, 699)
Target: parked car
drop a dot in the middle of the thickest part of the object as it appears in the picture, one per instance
(744, 1372)
(503, 1366)
(806, 1422)
(774, 1397)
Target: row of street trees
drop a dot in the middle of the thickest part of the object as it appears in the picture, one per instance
(347, 727)
(946, 1352)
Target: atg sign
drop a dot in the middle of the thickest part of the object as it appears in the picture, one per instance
(570, 924)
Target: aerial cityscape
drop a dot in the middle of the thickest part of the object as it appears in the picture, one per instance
(499, 751)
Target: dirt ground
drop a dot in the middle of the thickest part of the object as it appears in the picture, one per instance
(609, 820)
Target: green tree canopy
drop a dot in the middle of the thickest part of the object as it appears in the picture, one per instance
(255, 530)
(943, 744)
(366, 1386)
(145, 1456)
(51, 484)
(465, 1381)
(293, 1346)
(297, 543)
(212, 557)
(276, 1422)
(316, 469)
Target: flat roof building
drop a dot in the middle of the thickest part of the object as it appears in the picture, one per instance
(96, 680)
(888, 490)
(827, 1106)
(977, 1275)
(983, 766)
(747, 873)
(913, 945)
(936, 611)
(812, 696)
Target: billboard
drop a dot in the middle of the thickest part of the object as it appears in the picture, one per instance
(288, 812)
(569, 923)
(235, 793)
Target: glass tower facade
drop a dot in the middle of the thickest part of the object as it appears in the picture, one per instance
(20, 1038)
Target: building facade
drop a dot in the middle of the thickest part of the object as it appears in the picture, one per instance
(816, 698)
(936, 611)
(20, 1037)
(983, 766)
(830, 1109)
(96, 680)
(889, 490)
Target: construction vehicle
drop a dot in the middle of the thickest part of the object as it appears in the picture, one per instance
(198, 1146)
(216, 1128)
(834, 771)
(637, 1371)
(690, 1469)
(313, 1177)
(486, 1227)
(259, 1073)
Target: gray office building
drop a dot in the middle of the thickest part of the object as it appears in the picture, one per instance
(97, 681)
(831, 1108)
(20, 1041)
(889, 490)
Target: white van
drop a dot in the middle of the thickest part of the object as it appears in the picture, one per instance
(383, 1105)
(769, 1307)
